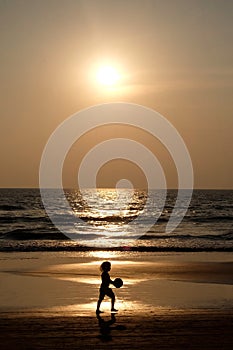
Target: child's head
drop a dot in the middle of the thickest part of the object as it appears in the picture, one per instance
(105, 266)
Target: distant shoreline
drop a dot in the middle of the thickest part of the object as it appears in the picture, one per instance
(112, 249)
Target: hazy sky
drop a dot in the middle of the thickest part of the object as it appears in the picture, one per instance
(175, 56)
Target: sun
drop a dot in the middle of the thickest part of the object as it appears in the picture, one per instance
(107, 75)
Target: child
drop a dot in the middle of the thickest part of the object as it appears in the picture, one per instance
(104, 288)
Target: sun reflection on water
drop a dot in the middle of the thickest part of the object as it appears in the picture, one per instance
(104, 255)
(87, 309)
(96, 281)
(107, 205)
(107, 215)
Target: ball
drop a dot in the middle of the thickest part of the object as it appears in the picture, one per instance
(118, 282)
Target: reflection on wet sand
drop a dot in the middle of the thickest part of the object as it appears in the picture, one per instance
(87, 309)
(70, 285)
(106, 328)
(89, 272)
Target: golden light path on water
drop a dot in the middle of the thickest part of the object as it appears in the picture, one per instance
(108, 215)
(104, 255)
(88, 308)
(85, 272)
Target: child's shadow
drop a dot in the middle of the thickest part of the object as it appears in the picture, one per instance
(105, 327)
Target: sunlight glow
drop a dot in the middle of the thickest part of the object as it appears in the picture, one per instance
(107, 75)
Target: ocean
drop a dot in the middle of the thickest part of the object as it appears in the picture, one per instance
(25, 225)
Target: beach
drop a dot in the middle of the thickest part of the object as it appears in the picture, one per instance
(116, 140)
(169, 330)
(169, 300)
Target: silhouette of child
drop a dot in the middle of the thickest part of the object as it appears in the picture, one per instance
(105, 267)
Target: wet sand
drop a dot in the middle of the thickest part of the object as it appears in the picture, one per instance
(179, 301)
(169, 330)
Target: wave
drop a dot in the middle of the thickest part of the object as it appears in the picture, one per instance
(27, 234)
(111, 218)
(14, 219)
(210, 218)
(161, 219)
(42, 234)
(122, 219)
(6, 207)
(224, 236)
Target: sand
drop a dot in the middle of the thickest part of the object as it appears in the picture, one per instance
(179, 301)
(170, 330)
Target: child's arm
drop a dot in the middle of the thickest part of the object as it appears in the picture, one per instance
(109, 279)
(106, 280)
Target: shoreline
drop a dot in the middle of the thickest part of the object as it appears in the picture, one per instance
(139, 249)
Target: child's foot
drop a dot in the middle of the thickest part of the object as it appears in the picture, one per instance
(114, 310)
(99, 312)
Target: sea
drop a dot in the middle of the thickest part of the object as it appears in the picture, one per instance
(102, 219)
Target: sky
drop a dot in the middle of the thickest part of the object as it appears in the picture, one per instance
(174, 56)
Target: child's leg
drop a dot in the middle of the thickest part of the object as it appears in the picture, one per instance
(98, 304)
(101, 298)
(113, 301)
(112, 296)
